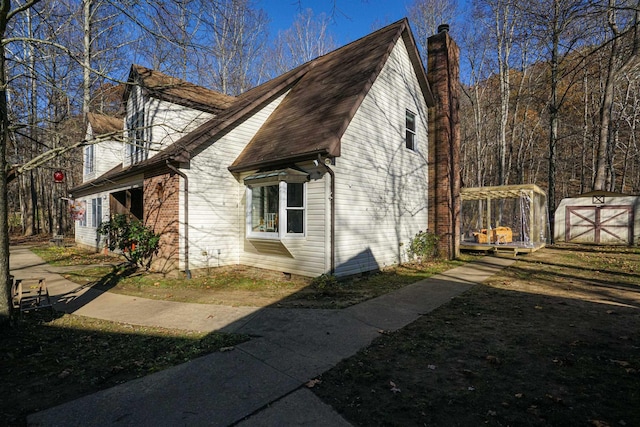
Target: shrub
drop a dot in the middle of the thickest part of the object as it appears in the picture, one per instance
(423, 246)
(137, 243)
(325, 283)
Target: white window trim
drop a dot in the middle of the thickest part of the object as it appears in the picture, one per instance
(414, 132)
(282, 214)
(90, 159)
(96, 217)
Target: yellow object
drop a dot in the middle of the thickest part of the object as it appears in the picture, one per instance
(499, 235)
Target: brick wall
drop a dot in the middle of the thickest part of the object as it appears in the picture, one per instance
(444, 143)
(161, 213)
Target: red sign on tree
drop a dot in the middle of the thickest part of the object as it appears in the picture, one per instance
(58, 177)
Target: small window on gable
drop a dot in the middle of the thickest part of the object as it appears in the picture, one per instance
(138, 150)
(89, 159)
(410, 127)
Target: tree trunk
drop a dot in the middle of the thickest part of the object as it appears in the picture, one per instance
(553, 120)
(5, 285)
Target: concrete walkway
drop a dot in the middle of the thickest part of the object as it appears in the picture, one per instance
(259, 383)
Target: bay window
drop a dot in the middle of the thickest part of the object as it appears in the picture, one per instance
(276, 204)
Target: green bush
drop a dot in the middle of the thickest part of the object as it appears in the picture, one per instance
(137, 243)
(325, 283)
(423, 246)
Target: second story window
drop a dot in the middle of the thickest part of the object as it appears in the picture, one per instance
(137, 148)
(89, 159)
(410, 126)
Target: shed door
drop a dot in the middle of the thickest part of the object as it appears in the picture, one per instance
(599, 224)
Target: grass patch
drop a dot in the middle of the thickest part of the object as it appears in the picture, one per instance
(72, 256)
(248, 286)
(552, 340)
(47, 362)
(236, 285)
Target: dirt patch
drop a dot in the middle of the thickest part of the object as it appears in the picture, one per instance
(552, 340)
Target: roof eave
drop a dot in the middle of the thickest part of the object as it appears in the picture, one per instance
(414, 55)
(281, 161)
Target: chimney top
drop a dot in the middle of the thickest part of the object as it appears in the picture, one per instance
(443, 28)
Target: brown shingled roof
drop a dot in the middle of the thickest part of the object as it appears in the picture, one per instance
(325, 93)
(315, 114)
(178, 91)
(102, 124)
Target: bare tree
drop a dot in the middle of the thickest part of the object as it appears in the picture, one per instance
(621, 58)
(561, 27)
(308, 38)
(238, 39)
(427, 15)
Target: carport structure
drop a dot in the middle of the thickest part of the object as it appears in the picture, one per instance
(510, 218)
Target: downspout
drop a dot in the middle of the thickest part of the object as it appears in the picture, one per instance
(187, 271)
(333, 213)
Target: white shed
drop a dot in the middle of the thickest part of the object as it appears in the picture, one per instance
(598, 217)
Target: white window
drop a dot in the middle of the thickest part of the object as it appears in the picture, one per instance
(295, 208)
(265, 207)
(89, 159)
(96, 212)
(137, 145)
(82, 214)
(410, 126)
(276, 209)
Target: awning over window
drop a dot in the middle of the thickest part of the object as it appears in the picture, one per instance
(287, 175)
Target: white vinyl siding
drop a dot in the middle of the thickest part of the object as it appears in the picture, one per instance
(160, 123)
(106, 155)
(303, 254)
(217, 197)
(86, 235)
(381, 186)
(97, 210)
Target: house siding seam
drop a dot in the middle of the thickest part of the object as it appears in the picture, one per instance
(381, 186)
(161, 200)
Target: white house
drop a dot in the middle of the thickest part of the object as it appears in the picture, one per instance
(324, 169)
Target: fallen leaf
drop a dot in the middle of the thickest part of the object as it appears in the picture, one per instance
(622, 363)
(64, 374)
(493, 360)
(312, 383)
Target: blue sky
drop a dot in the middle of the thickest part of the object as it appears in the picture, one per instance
(352, 19)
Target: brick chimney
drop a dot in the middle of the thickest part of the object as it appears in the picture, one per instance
(443, 73)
